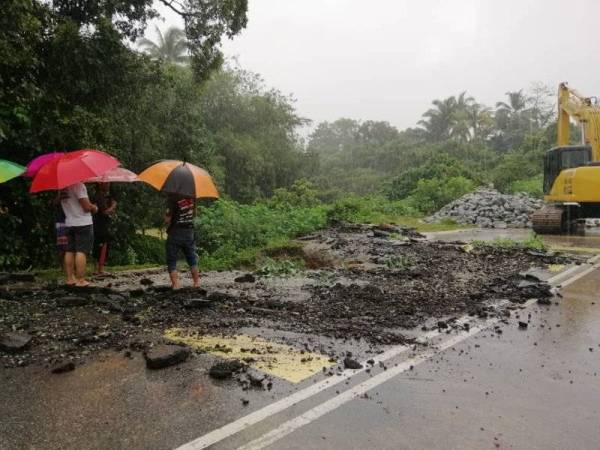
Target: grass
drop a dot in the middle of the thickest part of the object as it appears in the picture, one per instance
(56, 273)
(532, 242)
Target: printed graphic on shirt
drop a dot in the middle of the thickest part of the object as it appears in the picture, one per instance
(184, 214)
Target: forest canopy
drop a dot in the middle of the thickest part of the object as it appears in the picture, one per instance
(81, 75)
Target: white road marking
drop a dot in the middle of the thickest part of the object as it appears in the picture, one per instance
(238, 425)
(274, 408)
(352, 393)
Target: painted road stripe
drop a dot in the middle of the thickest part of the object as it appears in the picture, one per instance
(352, 393)
(274, 408)
(238, 425)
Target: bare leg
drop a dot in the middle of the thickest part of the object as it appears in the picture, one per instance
(195, 276)
(102, 258)
(80, 261)
(174, 279)
(69, 262)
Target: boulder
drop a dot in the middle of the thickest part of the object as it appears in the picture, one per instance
(165, 355)
(14, 342)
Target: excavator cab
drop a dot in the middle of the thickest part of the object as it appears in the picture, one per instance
(561, 158)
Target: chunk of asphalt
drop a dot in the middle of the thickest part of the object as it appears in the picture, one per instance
(225, 369)
(14, 342)
(523, 325)
(163, 356)
(350, 363)
(63, 366)
(9, 277)
(246, 278)
(544, 301)
(442, 324)
(146, 282)
(70, 301)
(197, 303)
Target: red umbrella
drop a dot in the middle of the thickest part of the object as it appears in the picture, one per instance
(71, 168)
(37, 163)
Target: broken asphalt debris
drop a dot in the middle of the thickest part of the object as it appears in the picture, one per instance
(372, 283)
(163, 356)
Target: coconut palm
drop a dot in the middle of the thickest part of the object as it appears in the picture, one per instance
(439, 120)
(461, 127)
(172, 46)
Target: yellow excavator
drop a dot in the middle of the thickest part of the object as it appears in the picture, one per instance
(571, 172)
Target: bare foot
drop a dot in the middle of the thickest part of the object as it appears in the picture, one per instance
(70, 283)
(175, 287)
(83, 283)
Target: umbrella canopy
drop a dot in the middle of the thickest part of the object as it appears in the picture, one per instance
(9, 170)
(36, 164)
(71, 168)
(181, 178)
(116, 175)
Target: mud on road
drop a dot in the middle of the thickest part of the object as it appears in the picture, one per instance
(362, 282)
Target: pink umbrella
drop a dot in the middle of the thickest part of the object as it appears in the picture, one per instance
(36, 164)
(118, 174)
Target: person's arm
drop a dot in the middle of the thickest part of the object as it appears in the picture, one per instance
(87, 205)
(112, 208)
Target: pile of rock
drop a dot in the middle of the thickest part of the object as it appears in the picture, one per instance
(488, 208)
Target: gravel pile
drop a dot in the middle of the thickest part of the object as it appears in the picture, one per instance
(488, 208)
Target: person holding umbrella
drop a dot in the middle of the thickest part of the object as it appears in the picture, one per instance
(179, 218)
(80, 232)
(67, 173)
(184, 183)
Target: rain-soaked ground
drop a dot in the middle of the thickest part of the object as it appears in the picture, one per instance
(368, 292)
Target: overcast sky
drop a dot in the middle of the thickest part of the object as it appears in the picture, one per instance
(387, 59)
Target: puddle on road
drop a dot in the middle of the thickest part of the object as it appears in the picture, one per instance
(279, 360)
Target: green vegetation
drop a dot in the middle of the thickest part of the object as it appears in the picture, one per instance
(79, 75)
(532, 242)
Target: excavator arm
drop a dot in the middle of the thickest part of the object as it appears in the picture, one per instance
(571, 104)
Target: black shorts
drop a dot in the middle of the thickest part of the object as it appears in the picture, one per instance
(81, 239)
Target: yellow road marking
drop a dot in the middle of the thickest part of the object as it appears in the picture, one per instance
(555, 268)
(280, 360)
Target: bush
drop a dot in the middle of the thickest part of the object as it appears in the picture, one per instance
(229, 233)
(372, 209)
(532, 186)
(137, 249)
(431, 194)
(301, 194)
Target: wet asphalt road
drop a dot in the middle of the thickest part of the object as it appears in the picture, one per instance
(533, 388)
(525, 389)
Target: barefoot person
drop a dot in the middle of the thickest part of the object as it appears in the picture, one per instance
(78, 219)
(180, 236)
(107, 206)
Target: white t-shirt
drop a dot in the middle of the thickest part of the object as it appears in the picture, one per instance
(74, 213)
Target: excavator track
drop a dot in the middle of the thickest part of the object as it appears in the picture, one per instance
(549, 219)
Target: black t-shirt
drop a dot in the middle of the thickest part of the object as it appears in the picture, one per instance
(101, 219)
(182, 213)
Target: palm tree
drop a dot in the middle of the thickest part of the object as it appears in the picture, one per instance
(438, 121)
(481, 121)
(171, 46)
(517, 103)
(461, 127)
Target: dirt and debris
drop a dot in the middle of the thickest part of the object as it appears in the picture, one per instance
(369, 283)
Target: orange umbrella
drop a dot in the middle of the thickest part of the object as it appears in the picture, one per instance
(181, 178)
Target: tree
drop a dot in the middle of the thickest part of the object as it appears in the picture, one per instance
(206, 22)
(171, 46)
(438, 121)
